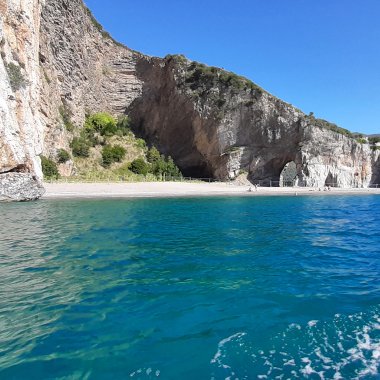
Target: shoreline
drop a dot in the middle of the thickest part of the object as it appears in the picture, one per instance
(82, 190)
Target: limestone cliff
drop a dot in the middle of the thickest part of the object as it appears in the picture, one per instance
(215, 123)
(20, 125)
(57, 63)
(82, 69)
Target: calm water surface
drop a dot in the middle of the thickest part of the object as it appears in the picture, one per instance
(222, 288)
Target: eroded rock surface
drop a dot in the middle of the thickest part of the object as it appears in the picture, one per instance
(21, 130)
(20, 187)
(81, 70)
(217, 124)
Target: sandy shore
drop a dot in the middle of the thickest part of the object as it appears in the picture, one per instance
(178, 189)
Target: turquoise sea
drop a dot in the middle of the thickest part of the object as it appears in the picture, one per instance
(207, 288)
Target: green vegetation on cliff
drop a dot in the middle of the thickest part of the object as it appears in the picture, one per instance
(106, 147)
(374, 140)
(49, 168)
(199, 74)
(203, 80)
(112, 153)
(324, 124)
(63, 156)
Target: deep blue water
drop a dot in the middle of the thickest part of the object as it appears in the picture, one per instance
(221, 288)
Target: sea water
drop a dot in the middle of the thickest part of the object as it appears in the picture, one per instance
(207, 288)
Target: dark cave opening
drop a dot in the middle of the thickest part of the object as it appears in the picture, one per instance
(270, 173)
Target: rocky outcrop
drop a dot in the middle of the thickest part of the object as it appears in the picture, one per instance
(217, 124)
(20, 187)
(376, 168)
(20, 125)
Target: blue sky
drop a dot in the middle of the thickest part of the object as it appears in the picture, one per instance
(323, 56)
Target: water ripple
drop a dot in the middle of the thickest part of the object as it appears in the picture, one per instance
(159, 288)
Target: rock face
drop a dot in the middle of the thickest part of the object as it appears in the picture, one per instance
(21, 129)
(20, 187)
(81, 69)
(57, 63)
(216, 124)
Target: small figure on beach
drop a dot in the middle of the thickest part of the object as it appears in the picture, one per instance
(250, 189)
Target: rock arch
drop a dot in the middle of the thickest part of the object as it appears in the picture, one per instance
(271, 172)
(331, 180)
(289, 175)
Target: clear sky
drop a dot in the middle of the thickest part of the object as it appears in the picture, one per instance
(323, 56)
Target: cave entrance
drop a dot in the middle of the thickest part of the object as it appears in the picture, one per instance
(331, 180)
(271, 173)
(288, 176)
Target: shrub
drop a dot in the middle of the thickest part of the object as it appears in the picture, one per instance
(327, 125)
(63, 156)
(123, 125)
(140, 143)
(153, 155)
(200, 74)
(102, 122)
(178, 58)
(161, 165)
(90, 138)
(361, 140)
(80, 147)
(111, 154)
(49, 168)
(374, 140)
(16, 78)
(172, 168)
(139, 166)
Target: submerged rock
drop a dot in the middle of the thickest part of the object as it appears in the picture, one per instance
(20, 187)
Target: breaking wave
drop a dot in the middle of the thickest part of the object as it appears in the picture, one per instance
(347, 347)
